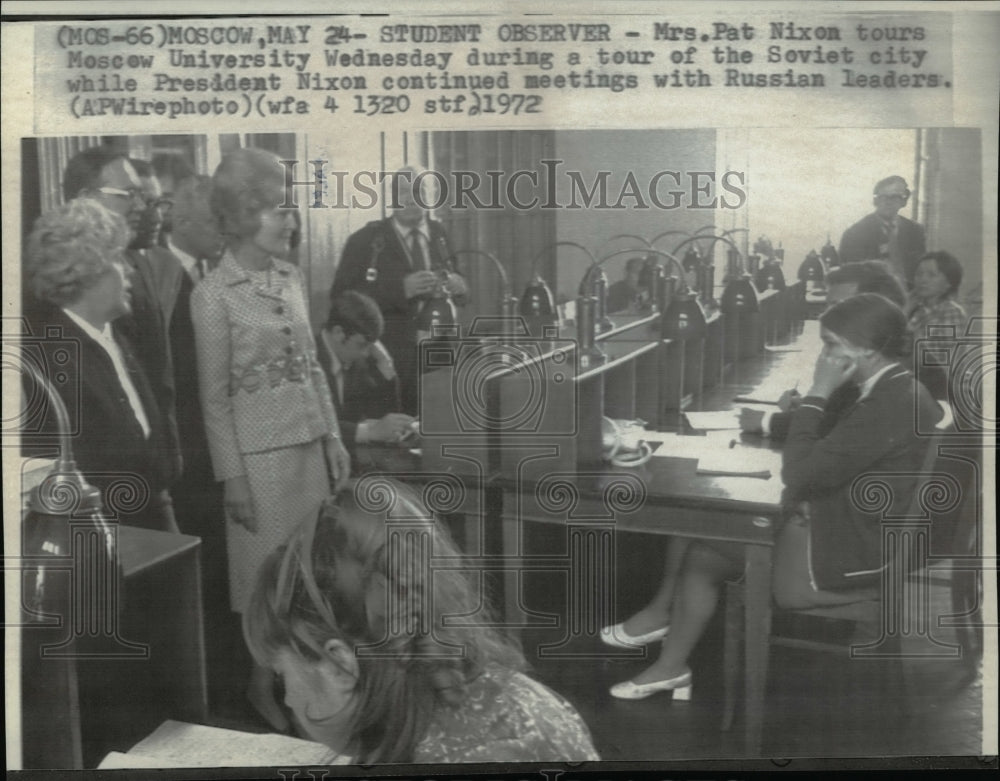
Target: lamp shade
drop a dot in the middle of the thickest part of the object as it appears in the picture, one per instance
(538, 307)
(829, 255)
(770, 277)
(740, 295)
(812, 271)
(684, 318)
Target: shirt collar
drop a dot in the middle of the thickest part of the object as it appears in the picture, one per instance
(866, 387)
(189, 262)
(405, 232)
(89, 329)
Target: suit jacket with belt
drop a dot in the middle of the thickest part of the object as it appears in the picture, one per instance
(874, 437)
(368, 395)
(863, 241)
(377, 251)
(261, 386)
(108, 442)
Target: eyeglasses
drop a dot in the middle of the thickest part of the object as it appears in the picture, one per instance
(131, 194)
(893, 196)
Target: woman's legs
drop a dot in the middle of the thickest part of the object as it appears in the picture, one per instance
(656, 614)
(704, 570)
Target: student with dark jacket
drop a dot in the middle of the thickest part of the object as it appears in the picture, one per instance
(830, 544)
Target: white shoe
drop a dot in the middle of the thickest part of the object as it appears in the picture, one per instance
(681, 687)
(617, 636)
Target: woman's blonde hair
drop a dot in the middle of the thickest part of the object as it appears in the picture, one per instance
(378, 572)
(247, 182)
(71, 247)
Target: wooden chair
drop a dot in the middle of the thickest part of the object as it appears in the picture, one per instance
(944, 527)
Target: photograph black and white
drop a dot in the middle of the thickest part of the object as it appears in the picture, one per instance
(434, 392)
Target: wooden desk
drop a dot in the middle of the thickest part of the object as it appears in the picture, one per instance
(76, 710)
(664, 497)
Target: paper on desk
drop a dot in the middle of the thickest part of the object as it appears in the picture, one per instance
(178, 744)
(720, 453)
(714, 421)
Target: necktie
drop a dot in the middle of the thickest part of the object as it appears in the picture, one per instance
(417, 251)
(202, 268)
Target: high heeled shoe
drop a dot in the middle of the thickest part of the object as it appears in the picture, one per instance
(679, 685)
(617, 637)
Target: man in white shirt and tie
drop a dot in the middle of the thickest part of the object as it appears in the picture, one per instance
(400, 262)
(885, 234)
(76, 268)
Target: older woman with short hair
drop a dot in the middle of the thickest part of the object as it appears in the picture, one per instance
(272, 430)
(76, 270)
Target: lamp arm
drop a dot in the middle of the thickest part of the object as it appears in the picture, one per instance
(668, 233)
(587, 252)
(674, 262)
(504, 278)
(711, 239)
(645, 244)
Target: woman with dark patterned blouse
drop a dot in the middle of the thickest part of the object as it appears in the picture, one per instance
(375, 658)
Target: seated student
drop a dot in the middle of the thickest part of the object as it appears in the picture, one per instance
(356, 627)
(935, 312)
(360, 372)
(868, 276)
(829, 547)
(871, 276)
(77, 270)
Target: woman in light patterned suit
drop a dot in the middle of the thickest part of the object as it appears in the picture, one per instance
(271, 426)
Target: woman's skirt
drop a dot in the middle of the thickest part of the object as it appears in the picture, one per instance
(288, 485)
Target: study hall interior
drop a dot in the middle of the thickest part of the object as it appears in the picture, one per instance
(721, 243)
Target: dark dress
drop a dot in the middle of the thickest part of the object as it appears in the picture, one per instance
(875, 437)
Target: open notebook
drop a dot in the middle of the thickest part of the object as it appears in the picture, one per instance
(178, 744)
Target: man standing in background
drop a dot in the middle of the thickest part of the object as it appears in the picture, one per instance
(885, 235)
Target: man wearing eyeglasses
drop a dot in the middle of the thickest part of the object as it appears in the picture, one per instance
(885, 234)
(107, 176)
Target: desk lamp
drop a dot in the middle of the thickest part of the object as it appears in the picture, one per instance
(538, 305)
(829, 254)
(508, 303)
(769, 275)
(812, 272)
(63, 496)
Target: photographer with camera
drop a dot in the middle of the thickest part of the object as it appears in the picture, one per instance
(401, 262)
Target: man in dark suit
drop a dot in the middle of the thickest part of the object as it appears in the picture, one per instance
(363, 381)
(884, 234)
(105, 175)
(195, 245)
(401, 262)
(76, 270)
